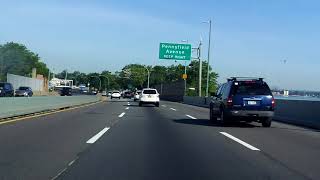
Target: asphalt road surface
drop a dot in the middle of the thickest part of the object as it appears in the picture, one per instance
(120, 140)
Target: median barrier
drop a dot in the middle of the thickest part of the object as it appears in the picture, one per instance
(298, 112)
(17, 106)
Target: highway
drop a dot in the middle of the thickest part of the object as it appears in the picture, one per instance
(118, 139)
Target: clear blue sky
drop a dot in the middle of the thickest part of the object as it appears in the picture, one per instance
(250, 38)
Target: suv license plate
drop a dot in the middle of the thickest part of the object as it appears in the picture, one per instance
(252, 102)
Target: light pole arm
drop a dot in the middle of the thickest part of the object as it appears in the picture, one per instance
(107, 79)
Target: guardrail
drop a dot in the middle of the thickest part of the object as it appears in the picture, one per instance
(16, 106)
(298, 112)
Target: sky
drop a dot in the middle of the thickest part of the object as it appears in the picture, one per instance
(275, 39)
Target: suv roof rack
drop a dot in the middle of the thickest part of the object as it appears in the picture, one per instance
(244, 78)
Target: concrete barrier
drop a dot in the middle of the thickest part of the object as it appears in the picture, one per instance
(298, 112)
(16, 106)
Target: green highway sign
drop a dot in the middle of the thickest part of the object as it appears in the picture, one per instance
(175, 51)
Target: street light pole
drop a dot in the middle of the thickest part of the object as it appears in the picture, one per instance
(148, 77)
(107, 79)
(200, 68)
(99, 81)
(185, 72)
(208, 73)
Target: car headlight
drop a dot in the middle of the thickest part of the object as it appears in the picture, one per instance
(25, 93)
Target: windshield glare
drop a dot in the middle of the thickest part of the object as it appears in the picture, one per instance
(23, 88)
(149, 92)
(251, 89)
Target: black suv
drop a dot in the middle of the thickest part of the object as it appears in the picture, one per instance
(243, 99)
(6, 89)
(66, 91)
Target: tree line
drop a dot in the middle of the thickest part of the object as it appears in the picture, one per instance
(15, 58)
(135, 76)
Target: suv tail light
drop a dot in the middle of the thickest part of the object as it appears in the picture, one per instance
(273, 103)
(229, 102)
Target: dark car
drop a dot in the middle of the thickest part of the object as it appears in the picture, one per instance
(6, 89)
(127, 94)
(24, 91)
(66, 91)
(243, 99)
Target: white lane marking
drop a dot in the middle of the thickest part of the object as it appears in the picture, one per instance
(63, 170)
(191, 117)
(70, 163)
(97, 136)
(163, 105)
(173, 109)
(127, 108)
(240, 141)
(122, 114)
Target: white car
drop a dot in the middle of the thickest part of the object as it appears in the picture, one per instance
(149, 96)
(115, 94)
(137, 95)
(104, 93)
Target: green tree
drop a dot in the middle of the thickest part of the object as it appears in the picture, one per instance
(193, 77)
(17, 59)
(133, 75)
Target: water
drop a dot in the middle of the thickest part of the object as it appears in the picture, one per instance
(301, 98)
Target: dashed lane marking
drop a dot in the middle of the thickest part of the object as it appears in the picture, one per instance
(240, 141)
(97, 136)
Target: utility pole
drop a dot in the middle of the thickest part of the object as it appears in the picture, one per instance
(107, 80)
(99, 81)
(148, 77)
(200, 68)
(185, 80)
(65, 77)
(185, 72)
(1, 70)
(208, 73)
(49, 80)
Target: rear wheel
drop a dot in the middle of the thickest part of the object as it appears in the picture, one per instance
(157, 104)
(223, 118)
(266, 122)
(212, 118)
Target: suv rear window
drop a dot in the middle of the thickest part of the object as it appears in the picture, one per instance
(149, 92)
(251, 89)
(23, 88)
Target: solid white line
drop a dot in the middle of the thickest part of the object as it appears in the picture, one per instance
(122, 114)
(127, 108)
(97, 136)
(173, 109)
(240, 141)
(190, 116)
(163, 105)
(70, 163)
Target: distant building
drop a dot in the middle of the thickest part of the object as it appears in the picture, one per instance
(56, 83)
